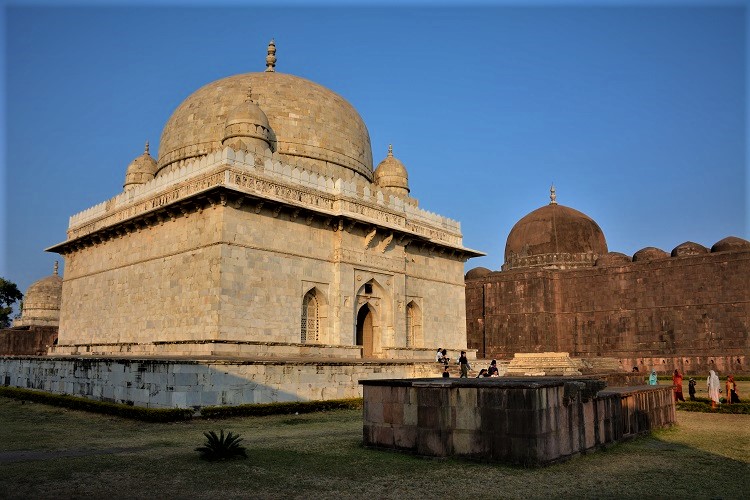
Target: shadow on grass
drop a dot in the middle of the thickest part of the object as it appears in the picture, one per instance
(321, 456)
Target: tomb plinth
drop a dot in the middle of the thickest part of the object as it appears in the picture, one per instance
(521, 420)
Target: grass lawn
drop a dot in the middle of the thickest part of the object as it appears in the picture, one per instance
(49, 452)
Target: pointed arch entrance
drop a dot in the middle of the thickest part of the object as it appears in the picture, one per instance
(365, 330)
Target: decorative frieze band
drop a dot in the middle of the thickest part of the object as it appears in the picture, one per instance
(240, 172)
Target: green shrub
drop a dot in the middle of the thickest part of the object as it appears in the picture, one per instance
(262, 409)
(704, 406)
(78, 403)
(221, 447)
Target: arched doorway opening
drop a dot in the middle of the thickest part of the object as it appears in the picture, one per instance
(365, 331)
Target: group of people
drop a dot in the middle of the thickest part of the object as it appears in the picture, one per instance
(490, 371)
(714, 389)
(713, 385)
(463, 363)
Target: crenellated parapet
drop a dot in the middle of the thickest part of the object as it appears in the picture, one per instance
(263, 175)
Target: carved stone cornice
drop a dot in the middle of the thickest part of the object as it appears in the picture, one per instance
(231, 185)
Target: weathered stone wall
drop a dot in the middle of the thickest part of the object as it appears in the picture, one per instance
(184, 384)
(240, 274)
(530, 421)
(690, 313)
(32, 340)
(156, 283)
(269, 260)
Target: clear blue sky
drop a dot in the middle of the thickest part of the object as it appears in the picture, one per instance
(636, 113)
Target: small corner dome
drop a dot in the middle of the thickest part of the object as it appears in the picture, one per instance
(612, 259)
(649, 253)
(476, 273)
(391, 173)
(247, 112)
(688, 248)
(141, 170)
(246, 127)
(731, 244)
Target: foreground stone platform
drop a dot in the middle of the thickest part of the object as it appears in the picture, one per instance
(522, 420)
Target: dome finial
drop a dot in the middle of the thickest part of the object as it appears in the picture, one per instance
(145, 150)
(552, 195)
(390, 150)
(57, 265)
(271, 57)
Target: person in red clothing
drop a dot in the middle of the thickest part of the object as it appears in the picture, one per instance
(732, 396)
(677, 384)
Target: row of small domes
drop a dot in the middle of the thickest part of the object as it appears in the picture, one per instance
(689, 248)
(728, 244)
(390, 173)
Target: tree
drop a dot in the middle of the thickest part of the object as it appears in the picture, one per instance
(9, 295)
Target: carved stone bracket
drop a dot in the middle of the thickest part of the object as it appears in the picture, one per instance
(386, 242)
(370, 237)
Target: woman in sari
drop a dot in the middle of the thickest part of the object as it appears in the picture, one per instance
(713, 388)
(653, 379)
(732, 396)
(677, 383)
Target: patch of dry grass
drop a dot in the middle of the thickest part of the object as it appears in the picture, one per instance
(320, 456)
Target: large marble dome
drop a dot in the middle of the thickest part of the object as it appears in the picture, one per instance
(309, 124)
(554, 237)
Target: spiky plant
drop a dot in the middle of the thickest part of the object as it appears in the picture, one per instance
(221, 447)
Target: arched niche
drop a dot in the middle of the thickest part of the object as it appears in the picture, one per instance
(314, 317)
(414, 336)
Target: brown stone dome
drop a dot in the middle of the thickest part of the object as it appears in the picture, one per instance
(41, 303)
(476, 273)
(141, 170)
(688, 248)
(307, 121)
(649, 253)
(554, 237)
(391, 174)
(611, 259)
(731, 244)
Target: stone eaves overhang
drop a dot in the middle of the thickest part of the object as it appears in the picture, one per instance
(238, 187)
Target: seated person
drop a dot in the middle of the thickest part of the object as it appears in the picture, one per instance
(446, 359)
(492, 370)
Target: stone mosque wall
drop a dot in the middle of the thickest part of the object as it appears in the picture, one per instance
(685, 312)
